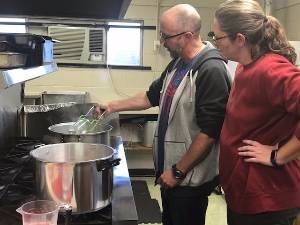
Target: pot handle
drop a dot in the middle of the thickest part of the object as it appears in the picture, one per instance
(38, 145)
(107, 164)
(68, 213)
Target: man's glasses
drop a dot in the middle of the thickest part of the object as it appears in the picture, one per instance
(212, 35)
(164, 37)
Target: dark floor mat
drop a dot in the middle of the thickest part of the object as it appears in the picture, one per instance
(141, 172)
(148, 209)
(139, 187)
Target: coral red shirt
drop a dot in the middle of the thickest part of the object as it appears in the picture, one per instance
(264, 105)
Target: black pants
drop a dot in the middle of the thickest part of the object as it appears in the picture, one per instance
(285, 217)
(180, 208)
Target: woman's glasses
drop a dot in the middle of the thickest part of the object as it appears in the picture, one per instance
(212, 35)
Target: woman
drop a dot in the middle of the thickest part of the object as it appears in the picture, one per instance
(259, 168)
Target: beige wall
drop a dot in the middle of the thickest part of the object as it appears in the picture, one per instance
(288, 12)
(104, 85)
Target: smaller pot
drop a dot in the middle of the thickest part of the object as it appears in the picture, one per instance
(100, 134)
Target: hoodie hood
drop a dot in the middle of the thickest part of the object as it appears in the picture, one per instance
(209, 52)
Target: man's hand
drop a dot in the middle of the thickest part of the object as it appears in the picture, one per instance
(102, 109)
(167, 179)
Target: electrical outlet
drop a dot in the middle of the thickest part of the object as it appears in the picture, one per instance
(156, 45)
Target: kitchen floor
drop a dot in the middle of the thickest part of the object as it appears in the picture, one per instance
(216, 212)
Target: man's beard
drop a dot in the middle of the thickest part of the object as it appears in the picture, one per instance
(175, 53)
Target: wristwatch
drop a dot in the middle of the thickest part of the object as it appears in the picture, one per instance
(177, 173)
(273, 158)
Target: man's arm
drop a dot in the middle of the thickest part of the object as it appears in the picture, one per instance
(141, 101)
(198, 150)
(137, 102)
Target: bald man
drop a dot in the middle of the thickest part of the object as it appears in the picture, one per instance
(191, 93)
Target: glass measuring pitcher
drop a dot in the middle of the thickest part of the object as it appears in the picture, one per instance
(40, 212)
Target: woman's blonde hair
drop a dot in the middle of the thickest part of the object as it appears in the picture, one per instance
(263, 33)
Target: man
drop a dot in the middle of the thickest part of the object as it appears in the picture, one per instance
(192, 94)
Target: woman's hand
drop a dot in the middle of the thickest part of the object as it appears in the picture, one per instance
(255, 152)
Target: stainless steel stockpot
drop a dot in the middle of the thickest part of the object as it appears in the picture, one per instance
(101, 134)
(76, 174)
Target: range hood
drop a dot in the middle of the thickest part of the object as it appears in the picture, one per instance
(10, 77)
(94, 9)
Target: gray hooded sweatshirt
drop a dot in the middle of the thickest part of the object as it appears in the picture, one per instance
(198, 105)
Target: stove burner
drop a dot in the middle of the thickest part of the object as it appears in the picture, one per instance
(15, 193)
(3, 190)
(25, 140)
(16, 172)
(9, 174)
(27, 147)
(19, 158)
(4, 166)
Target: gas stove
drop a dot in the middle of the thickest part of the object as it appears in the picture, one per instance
(16, 172)
(17, 187)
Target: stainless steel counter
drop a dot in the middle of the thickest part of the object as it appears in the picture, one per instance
(123, 205)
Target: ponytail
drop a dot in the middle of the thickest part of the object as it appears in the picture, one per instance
(275, 40)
